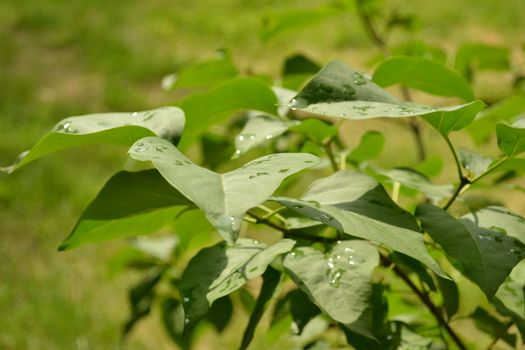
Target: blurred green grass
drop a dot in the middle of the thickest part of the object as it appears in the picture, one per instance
(61, 58)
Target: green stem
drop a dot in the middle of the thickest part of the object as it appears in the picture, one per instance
(327, 146)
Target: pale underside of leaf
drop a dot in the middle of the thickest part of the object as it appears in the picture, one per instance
(224, 198)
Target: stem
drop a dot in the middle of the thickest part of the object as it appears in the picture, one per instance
(456, 158)
(435, 310)
(418, 138)
(370, 29)
(327, 146)
(464, 182)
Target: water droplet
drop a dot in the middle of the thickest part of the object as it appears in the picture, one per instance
(359, 79)
(331, 263)
(255, 241)
(342, 114)
(348, 249)
(134, 114)
(185, 300)
(269, 137)
(297, 206)
(186, 321)
(334, 277)
(296, 103)
(326, 217)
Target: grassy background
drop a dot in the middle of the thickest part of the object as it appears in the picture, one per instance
(61, 58)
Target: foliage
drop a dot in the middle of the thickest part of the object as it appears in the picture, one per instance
(340, 254)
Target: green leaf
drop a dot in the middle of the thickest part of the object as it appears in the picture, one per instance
(474, 163)
(501, 219)
(453, 120)
(105, 128)
(370, 147)
(414, 180)
(472, 56)
(302, 309)
(423, 74)
(141, 298)
(271, 280)
(220, 313)
(341, 283)
(420, 49)
(484, 256)
(358, 205)
(218, 69)
(493, 326)
(129, 204)
(339, 91)
(315, 130)
(172, 315)
(259, 129)
(211, 107)
(220, 270)
(430, 167)
(224, 198)
(483, 126)
(277, 22)
(296, 70)
(512, 292)
(511, 139)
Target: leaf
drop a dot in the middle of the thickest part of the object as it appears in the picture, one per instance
(476, 164)
(370, 147)
(220, 270)
(220, 313)
(105, 128)
(481, 56)
(211, 107)
(316, 130)
(224, 198)
(430, 167)
(486, 257)
(423, 74)
(453, 120)
(412, 179)
(259, 129)
(358, 205)
(511, 294)
(483, 126)
(302, 309)
(501, 219)
(296, 70)
(218, 69)
(493, 326)
(511, 139)
(339, 91)
(278, 22)
(173, 321)
(271, 280)
(340, 284)
(129, 204)
(141, 298)
(420, 49)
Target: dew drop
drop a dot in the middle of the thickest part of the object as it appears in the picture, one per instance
(296, 103)
(134, 114)
(297, 206)
(185, 300)
(186, 321)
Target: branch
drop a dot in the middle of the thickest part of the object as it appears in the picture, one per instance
(435, 310)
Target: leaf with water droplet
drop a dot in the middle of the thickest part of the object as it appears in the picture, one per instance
(475, 163)
(361, 207)
(480, 254)
(224, 198)
(221, 269)
(498, 218)
(340, 289)
(349, 100)
(258, 129)
(105, 128)
(211, 107)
